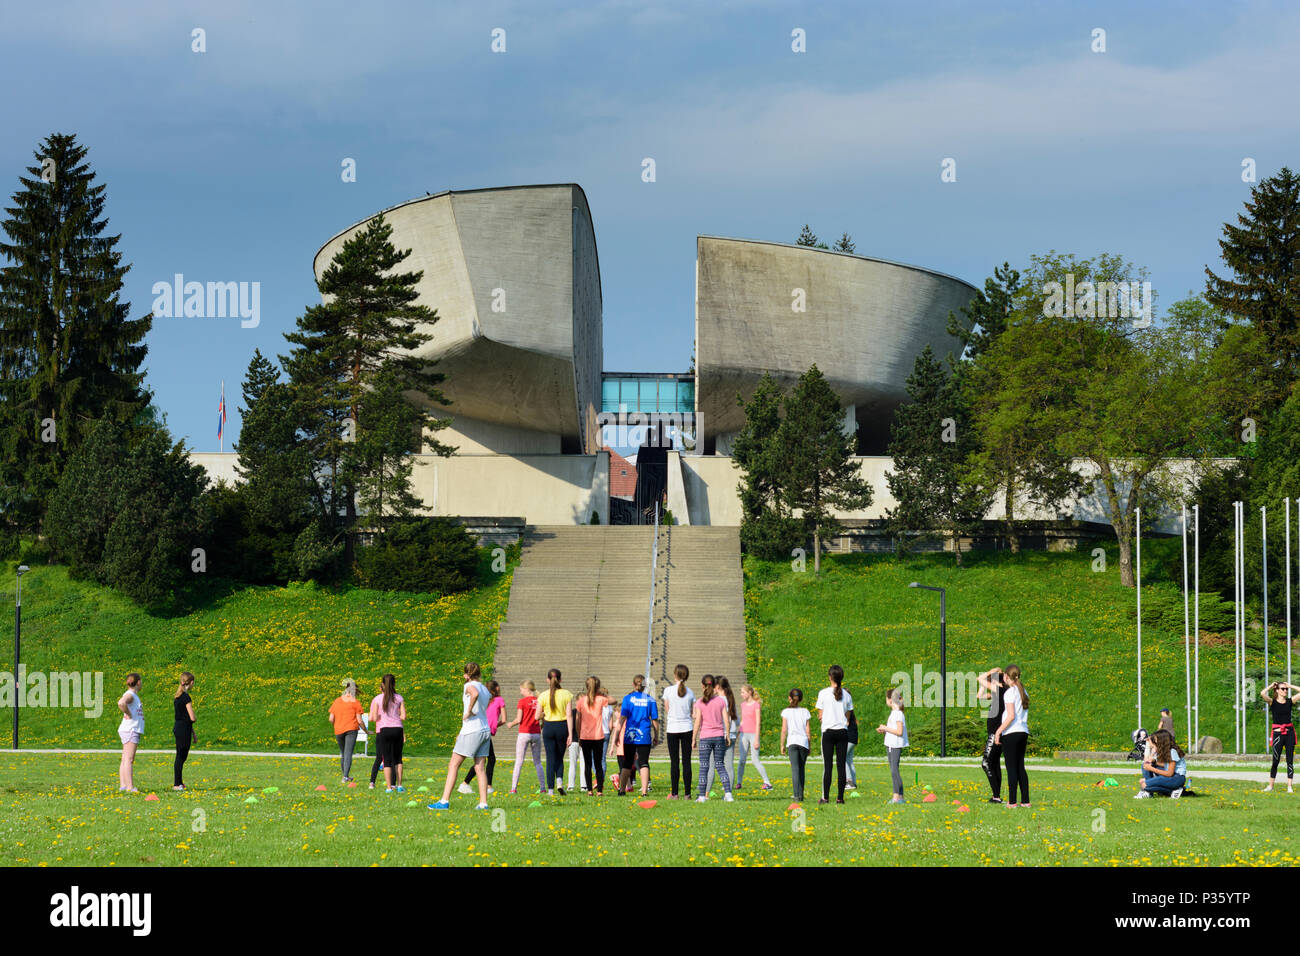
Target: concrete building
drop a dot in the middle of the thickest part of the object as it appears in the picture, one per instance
(514, 276)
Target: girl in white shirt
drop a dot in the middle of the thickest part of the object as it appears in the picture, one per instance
(679, 722)
(833, 706)
(895, 731)
(1013, 735)
(129, 731)
(794, 737)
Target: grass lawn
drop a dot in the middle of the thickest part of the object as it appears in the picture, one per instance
(268, 660)
(1071, 630)
(64, 810)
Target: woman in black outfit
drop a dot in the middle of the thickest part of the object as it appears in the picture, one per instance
(1281, 731)
(182, 727)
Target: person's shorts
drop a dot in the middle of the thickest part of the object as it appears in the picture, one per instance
(128, 735)
(474, 744)
(638, 755)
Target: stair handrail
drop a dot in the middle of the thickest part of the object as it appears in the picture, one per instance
(650, 624)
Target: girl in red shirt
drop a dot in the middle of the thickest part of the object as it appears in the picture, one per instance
(530, 734)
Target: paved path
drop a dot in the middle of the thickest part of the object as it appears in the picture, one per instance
(1258, 776)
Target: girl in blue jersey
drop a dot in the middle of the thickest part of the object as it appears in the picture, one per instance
(638, 722)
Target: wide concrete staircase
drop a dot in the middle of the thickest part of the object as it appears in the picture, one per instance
(580, 601)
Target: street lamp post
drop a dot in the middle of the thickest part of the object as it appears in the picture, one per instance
(18, 637)
(943, 664)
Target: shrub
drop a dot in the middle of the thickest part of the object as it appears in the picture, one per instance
(427, 555)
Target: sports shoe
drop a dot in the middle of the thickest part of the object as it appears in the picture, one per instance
(400, 789)
(560, 791)
(995, 799)
(440, 805)
(464, 788)
(823, 801)
(839, 799)
(512, 792)
(728, 798)
(1141, 795)
(701, 799)
(766, 786)
(482, 806)
(388, 789)
(490, 789)
(672, 796)
(850, 786)
(1176, 793)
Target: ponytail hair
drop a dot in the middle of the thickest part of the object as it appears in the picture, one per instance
(731, 698)
(896, 696)
(836, 674)
(707, 683)
(681, 672)
(1012, 675)
(186, 680)
(494, 688)
(389, 686)
(753, 694)
(553, 679)
(638, 683)
(133, 680)
(473, 671)
(593, 686)
(795, 696)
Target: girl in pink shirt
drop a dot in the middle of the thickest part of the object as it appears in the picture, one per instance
(711, 725)
(750, 728)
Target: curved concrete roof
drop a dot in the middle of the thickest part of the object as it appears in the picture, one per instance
(864, 323)
(514, 276)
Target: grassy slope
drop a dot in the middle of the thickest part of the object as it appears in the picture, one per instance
(1070, 629)
(268, 661)
(63, 810)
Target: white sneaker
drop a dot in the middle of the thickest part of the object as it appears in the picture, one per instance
(491, 790)
(728, 798)
(1176, 793)
(464, 788)
(1141, 795)
(701, 799)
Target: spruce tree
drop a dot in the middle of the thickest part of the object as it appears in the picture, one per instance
(806, 237)
(931, 442)
(844, 244)
(1262, 253)
(767, 528)
(819, 475)
(69, 353)
(370, 321)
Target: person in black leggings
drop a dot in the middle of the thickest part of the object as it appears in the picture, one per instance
(183, 728)
(555, 711)
(1281, 730)
(991, 762)
(833, 706)
(1013, 735)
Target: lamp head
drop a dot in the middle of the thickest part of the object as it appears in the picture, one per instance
(23, 569)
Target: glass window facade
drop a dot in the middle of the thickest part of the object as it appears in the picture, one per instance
(648, 393)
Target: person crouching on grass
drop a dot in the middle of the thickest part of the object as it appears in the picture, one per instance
(129, 731)
(895, 731)
(1161, 773)
(474, 741)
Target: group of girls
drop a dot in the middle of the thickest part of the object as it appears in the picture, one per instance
(131, 729)
(1007, 723)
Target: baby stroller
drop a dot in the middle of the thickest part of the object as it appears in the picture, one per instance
(1139, 738)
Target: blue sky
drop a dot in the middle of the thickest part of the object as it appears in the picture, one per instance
(225, 165)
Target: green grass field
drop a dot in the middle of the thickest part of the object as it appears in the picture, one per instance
(1070, 629)
(61, 810)
(268, 660)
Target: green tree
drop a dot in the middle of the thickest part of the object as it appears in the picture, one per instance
(1262, 253)
(69, 353)
(820, 475)
(369, 322)
(806, 237)
(930, 443)
(387, 434)
(767, 529)
(844, 244)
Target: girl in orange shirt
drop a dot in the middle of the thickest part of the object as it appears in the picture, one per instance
(344, 715)
(591, 732)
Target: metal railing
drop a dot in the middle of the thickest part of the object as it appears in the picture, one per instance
(650, 624)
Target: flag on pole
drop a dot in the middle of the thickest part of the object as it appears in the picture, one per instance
(221, 415)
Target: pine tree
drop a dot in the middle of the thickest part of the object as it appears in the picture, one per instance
(1262, 253)
(369, 322)
(816, 456)
(806, 237)
(386, 436)
(767, 528)
(930, 443)
(985, 318)
(844, 244)
(69, 354)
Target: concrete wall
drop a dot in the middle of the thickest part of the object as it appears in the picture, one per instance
(865, 322)
(706, 489)
(543, 489)
(470, 436)
(516, 341)
(219, 466)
